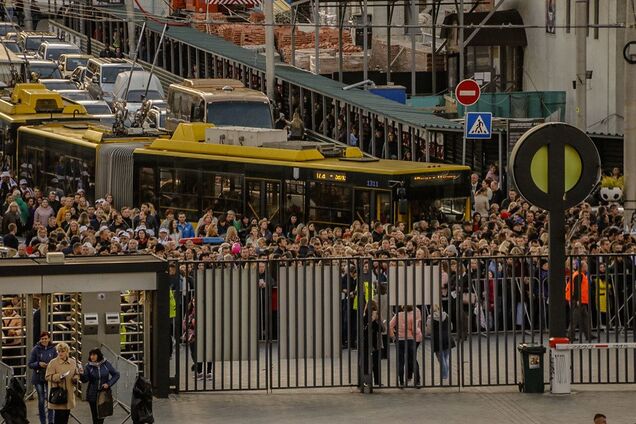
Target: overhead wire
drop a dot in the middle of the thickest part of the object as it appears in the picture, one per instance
(143, 15)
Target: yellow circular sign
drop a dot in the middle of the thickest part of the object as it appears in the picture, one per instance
(539, 170)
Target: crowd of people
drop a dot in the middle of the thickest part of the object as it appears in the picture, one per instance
(34, 223)
(503, 225)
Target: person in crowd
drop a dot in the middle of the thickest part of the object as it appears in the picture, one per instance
(100, 375)
(189, 337)
(296, 128)
(577, 296)
(406, 328)
(600, 419)
(10, 239)
(63, 372)
(41, 354)
(12, 332)
(372, 342)
(438, 328)
(184, 228)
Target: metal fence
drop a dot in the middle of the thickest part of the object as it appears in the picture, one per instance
(440, 322)
(6, 373)
(128, 373)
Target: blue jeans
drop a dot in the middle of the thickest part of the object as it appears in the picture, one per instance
(443, 358)
(42, 389)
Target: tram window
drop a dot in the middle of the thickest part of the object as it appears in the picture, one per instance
(67, 174)
(295, 199)
(147, 184)
(329, 203)
(178, 189)
(222, 192)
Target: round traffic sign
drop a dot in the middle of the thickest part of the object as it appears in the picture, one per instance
(555, 165)
(467, 92)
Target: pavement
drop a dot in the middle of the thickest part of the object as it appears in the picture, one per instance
(474, 406)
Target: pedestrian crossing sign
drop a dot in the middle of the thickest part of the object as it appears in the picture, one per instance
(478, 125)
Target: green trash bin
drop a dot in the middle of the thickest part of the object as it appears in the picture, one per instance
(532, 368)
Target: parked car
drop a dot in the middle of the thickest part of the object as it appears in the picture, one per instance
(30, 41)
(6, 28)
(58, 84)
(75, 95)
(51, 50)
(137, 90)
(12, 46)
(99, 109)
(78, 77)
(45, 69)
(101, 74)
(70, 61)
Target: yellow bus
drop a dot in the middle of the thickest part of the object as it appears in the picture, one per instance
(65, 156)
(30, 104)
(193, 171)
(221, 102)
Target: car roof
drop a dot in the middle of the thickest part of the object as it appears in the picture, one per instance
(42, 62)
(38, 34)
(110, 61)
(93, 102)
(59, 44)
(76, 55)
(57, 80)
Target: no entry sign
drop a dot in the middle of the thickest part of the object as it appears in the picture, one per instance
(467, 92)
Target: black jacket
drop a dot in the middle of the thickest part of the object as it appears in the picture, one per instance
(141, 404)
(14, 410)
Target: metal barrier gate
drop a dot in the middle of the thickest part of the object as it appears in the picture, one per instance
(379, 322)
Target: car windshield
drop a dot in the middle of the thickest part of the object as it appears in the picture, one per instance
(109, 73)
(53, 53)
(98, 109)
(240, 113)
(77, 95)
(33, 43)
(46, 71)
(4, 29)
(135, 96)
(13, 47)
(59, 85)
(73, 62)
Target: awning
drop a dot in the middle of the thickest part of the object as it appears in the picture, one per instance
(279, 5)
(515, 37)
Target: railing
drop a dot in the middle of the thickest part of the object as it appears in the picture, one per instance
(296, 323)
(6, 373)
(128, 373)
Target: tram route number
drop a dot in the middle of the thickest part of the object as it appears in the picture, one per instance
(331, 176)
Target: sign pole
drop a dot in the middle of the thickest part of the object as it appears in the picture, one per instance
(464, 137)
(555, 184)
(556, 232)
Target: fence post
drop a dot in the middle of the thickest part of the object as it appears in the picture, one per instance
(160, 334)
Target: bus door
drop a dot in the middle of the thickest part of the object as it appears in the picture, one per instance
(263, 199)
(384, 209)
(362, 205)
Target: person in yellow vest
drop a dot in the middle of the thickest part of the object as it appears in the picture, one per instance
(577, 295)
(603, 291)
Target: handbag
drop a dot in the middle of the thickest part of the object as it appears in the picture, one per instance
(104, 403)
(469, 298)
(58, 395)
